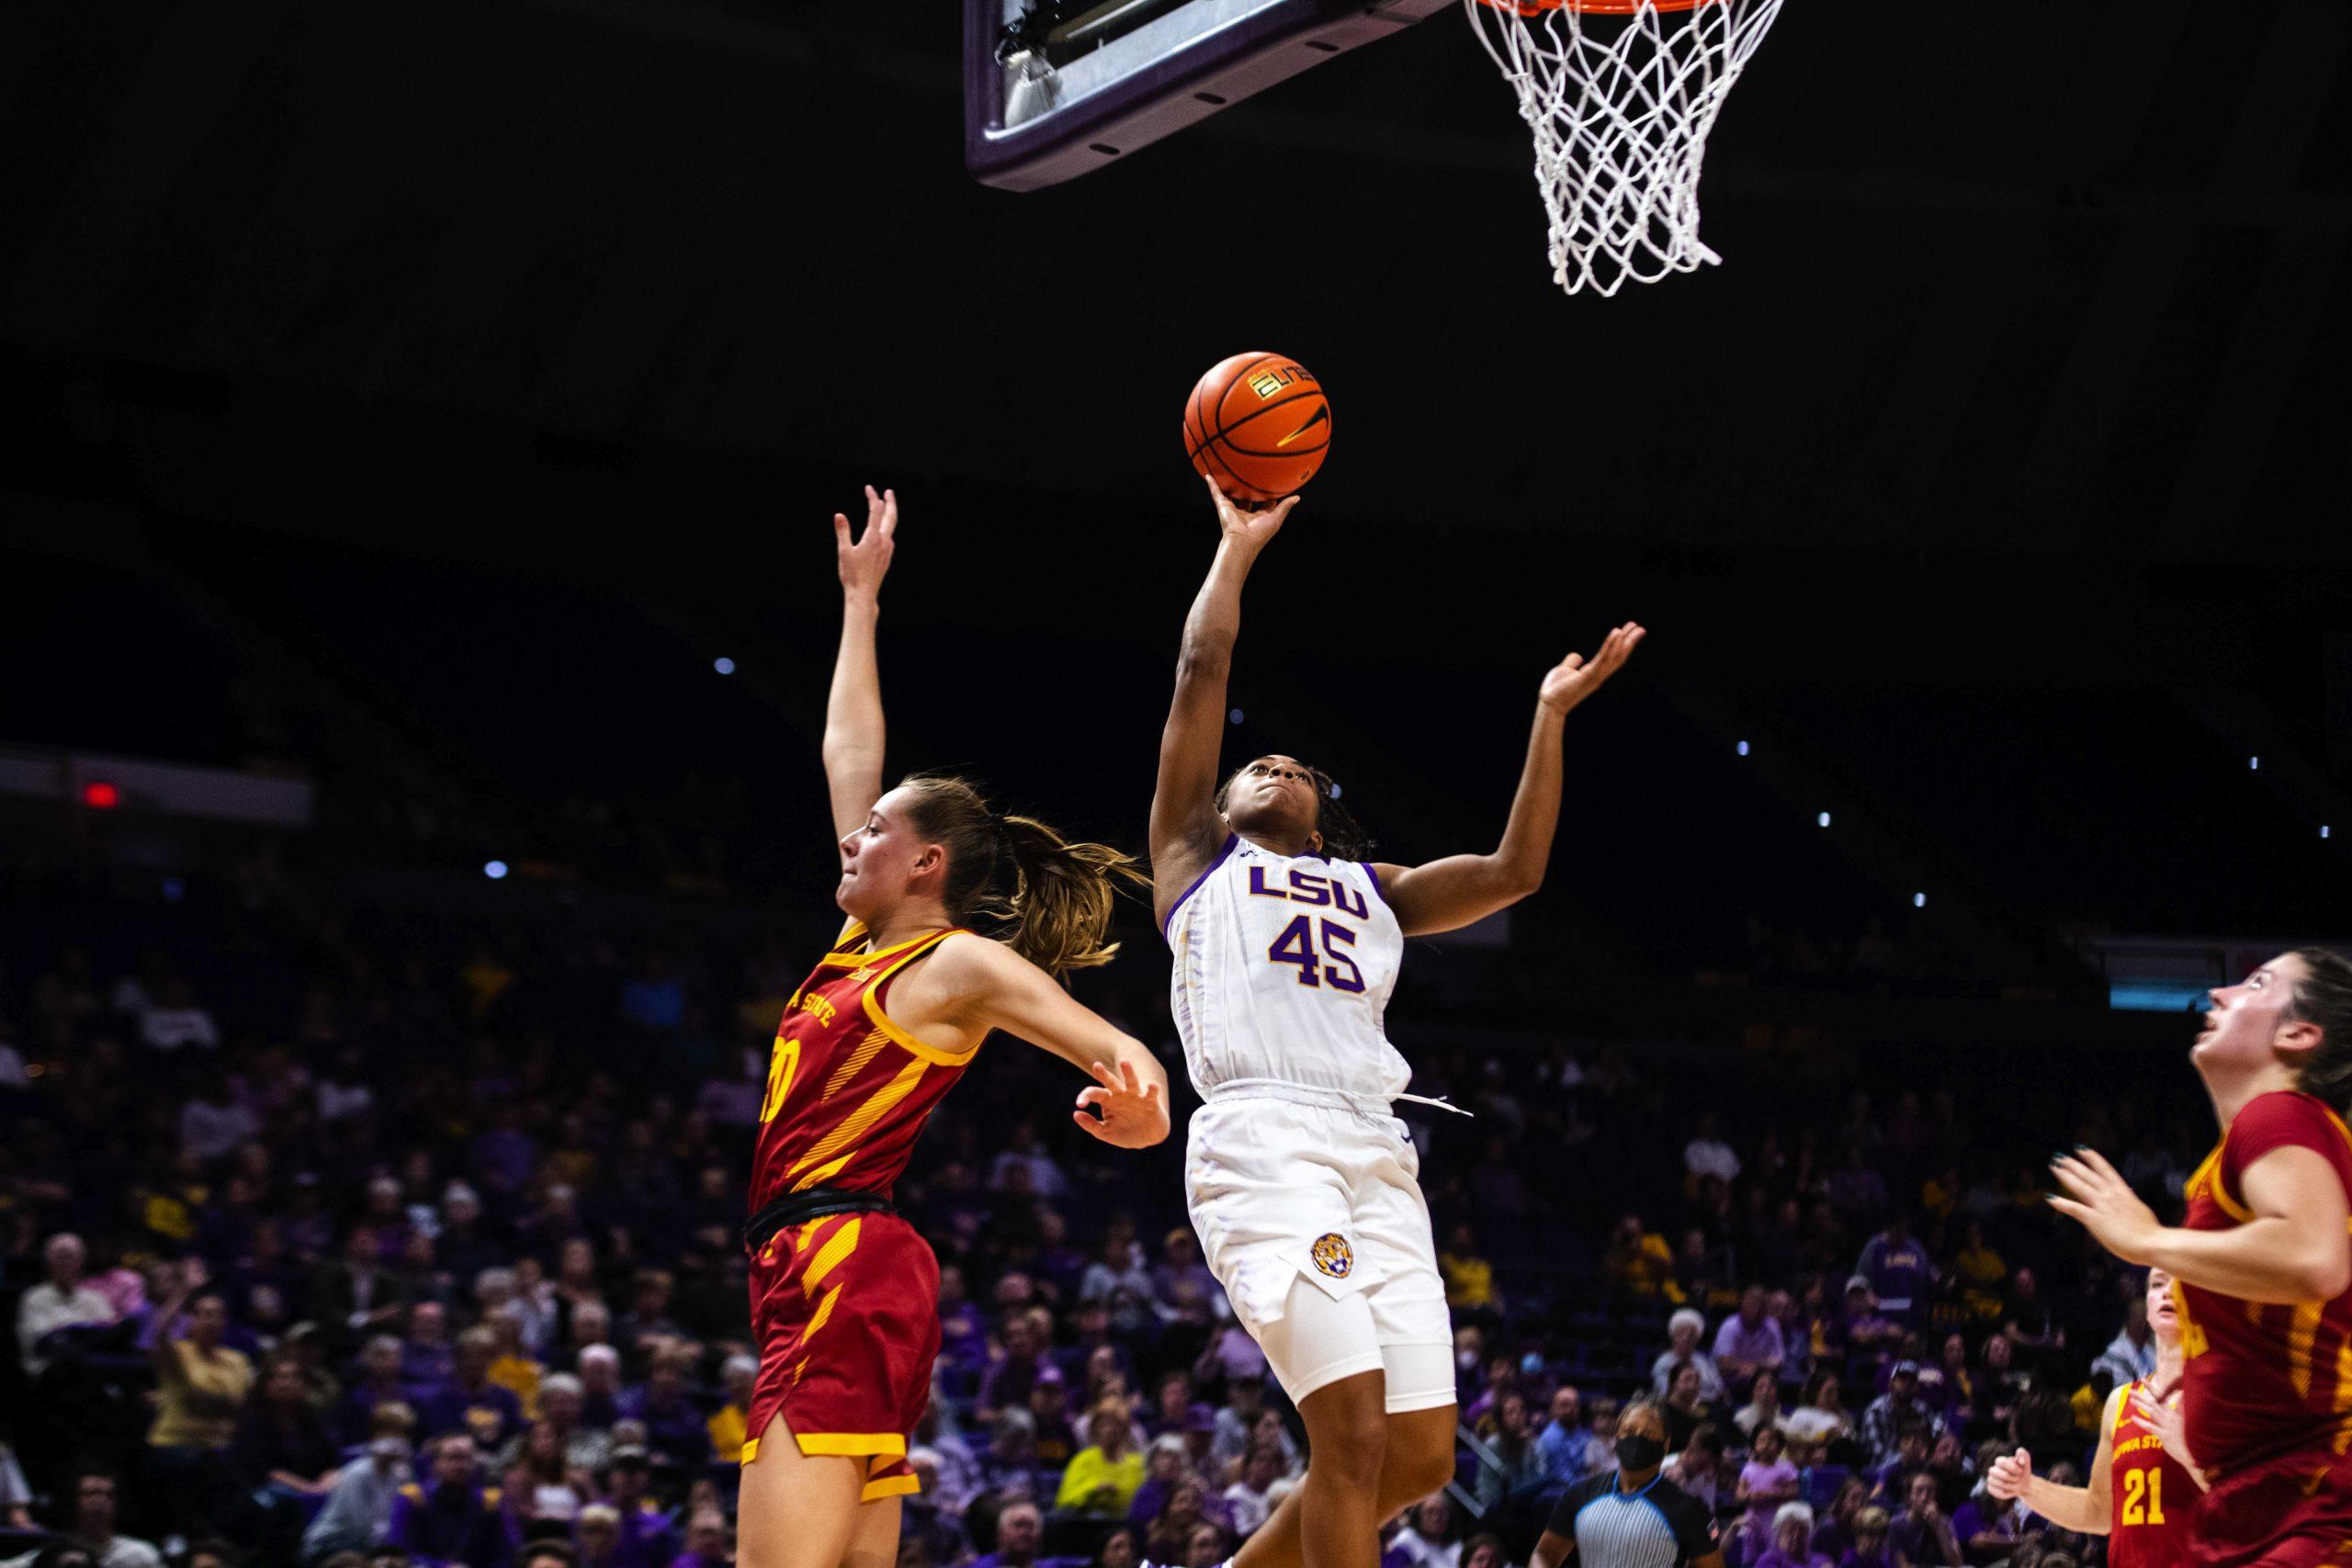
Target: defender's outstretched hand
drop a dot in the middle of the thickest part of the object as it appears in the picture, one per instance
(1250, 529)
(1574, 679)
(866, 562)
(1133, 1114)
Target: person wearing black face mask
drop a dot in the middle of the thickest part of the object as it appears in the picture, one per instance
(1633, 1515)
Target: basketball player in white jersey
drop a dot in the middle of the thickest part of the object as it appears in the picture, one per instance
(1301, 1182)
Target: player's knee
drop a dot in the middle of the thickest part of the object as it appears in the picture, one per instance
(1348, 1438)
(1419, 1461)
(1357, 1460)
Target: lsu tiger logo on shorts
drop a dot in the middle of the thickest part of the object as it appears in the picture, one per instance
(1332, 1254)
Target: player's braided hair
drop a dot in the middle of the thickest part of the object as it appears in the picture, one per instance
(1058, 906)
(2323, 995)
(1343, 837)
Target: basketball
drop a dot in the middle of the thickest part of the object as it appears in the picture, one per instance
(1259, 424)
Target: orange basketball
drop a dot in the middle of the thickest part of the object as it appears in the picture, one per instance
(1259, 424)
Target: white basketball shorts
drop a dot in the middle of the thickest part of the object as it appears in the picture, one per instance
(1311, 1217)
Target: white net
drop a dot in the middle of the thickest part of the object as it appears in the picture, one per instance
(1621, 102)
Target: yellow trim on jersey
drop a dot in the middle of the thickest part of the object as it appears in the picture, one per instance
(2120, 1402)
(2212, 1166)
(838, 1246)
(840, 959)
(750, 1450)
(2211, 1174)
(900, 1037)
(852, 1445)
(888, 1486)
(912, 1047)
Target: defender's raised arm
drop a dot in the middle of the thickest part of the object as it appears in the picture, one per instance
(853, 750)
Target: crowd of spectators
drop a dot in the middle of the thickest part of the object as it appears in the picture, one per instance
(337, 1236)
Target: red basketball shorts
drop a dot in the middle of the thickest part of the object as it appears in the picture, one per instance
(2294, 1511)
(845, 1310)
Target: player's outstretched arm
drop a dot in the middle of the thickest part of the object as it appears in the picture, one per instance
(853, 749)
(1127, 1104)
(1186, 831)
(2088, 1509)
(1446, 894)
(2291, 1251)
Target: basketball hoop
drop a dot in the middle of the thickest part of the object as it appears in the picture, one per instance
(1621, 95)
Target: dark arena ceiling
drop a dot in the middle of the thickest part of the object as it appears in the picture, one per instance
(1999, 279)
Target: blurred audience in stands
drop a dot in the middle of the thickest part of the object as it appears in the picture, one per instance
(333, 1230)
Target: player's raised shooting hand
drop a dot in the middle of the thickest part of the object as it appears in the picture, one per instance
(1576, 678)
(2008, 1475)
(1249, 529)
(865, 562)
(1132, 1113)
(2098, 1195)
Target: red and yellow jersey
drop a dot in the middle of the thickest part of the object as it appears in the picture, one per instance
(2264, 1380)
(2153, 1495)
(848, 1091)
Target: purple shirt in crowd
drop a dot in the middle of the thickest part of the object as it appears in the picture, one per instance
(1760, 1346)
(1898, 1271)
(648, 1534)
(1778, 1476)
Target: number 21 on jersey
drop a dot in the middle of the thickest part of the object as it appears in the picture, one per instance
(1296, 947)
(2144, 1497)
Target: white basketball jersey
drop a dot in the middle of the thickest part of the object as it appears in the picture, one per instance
(1284, 966)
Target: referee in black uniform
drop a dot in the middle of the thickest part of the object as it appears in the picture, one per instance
(1631, 1516)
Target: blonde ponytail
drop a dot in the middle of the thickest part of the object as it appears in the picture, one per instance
(1058, 909)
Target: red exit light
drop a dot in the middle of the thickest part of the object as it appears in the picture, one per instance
(99, 794)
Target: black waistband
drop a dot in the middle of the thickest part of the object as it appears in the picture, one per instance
(815, 1203)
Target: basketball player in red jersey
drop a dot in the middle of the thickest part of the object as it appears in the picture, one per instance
(2139, 1496)
(2262, 1268)
(844, 1293)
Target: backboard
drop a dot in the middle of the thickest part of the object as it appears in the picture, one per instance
(1054, 88)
